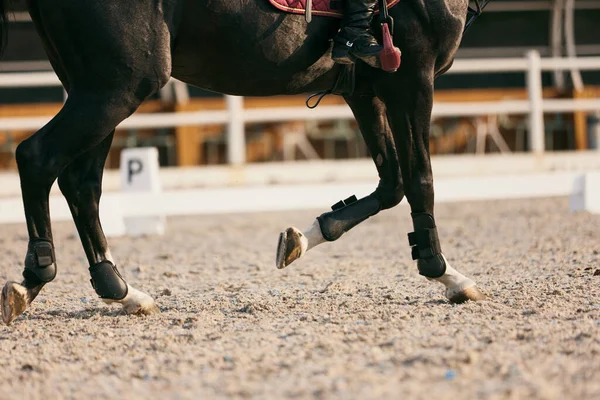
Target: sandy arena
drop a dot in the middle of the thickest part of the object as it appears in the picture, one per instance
(350, 320)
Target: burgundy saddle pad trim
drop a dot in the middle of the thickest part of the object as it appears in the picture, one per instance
(319, 7)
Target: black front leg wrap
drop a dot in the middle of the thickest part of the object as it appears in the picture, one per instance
(107, 281)
(426, 246)
(40, 263)
(346, 215)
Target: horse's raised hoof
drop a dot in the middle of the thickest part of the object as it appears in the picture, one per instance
(292, 245)
(136, 303)
(469, 293)
(13, 301)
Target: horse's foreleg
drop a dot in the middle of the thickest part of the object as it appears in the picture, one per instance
(81, 184)
(370, 114)
(409, 101)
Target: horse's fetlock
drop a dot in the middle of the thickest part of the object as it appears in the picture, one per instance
(40, 262)
(107, 281)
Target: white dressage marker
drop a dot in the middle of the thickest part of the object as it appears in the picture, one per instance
(139, 174)
(586, 193)
(111, 217)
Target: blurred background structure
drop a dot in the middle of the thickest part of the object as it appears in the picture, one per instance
(502, 37)
(526, 81)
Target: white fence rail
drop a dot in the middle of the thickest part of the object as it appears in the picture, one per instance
(235, 116)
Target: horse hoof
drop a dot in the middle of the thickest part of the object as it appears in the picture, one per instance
(142, 309)
(136, 303)
(13, 301)
(291, 247)
(470, 293)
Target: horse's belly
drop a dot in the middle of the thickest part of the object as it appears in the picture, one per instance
(251, 52)
(231, 75)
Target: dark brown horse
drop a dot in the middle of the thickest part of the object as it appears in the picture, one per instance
(111, 55)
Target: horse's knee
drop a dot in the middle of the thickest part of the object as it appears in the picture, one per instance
(389, 196)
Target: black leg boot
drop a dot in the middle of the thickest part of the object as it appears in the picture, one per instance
(355, 39)
(426, 247)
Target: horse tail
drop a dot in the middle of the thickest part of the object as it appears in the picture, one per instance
(3, 25)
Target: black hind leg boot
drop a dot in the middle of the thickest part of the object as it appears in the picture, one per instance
(355, 40)
(107, 281)
(40, 263)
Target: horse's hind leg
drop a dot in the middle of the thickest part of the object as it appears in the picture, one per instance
(370, 114)
(40, 263)
(81, 184)
(84, 122)
(408, 97)
(114, 55)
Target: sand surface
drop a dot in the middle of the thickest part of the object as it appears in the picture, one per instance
(350, 320)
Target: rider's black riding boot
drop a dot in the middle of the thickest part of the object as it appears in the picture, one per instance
(355, 39)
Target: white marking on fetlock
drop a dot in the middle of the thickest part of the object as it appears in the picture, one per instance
(457, 284)
(107, 257)
(313, 236)
(136, 302)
